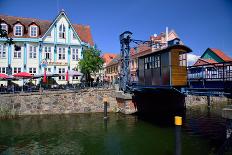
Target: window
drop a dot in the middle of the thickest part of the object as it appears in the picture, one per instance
(152, 62)
(74, 36)
(2, 70)
(2, 51)
(18, 30)
(183, 59)
(75, 54)
(4, 27)
(32, 52)
(49, 34)
(49, 70)
(33, 31)
(75, 77)
(62, 72)
(61, 53)
(32, 70)
(157, 61)
(62, 31)
(17, 54)
(17, 70)
(47, 53)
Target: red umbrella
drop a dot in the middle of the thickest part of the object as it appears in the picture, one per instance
(66, 76)
(3, 76)
(23, 75)
(45, 76)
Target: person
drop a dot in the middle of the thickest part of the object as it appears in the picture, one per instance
(97, 81)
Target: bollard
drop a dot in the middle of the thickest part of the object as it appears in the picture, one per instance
(178, 123)
(105, 101)
(208, 101)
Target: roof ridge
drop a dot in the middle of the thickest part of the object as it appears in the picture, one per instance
(27, 18)
(44, 20)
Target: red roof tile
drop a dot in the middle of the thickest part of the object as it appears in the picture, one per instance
(221, 54)
(82, 31)
(201, 61)
(108, 57)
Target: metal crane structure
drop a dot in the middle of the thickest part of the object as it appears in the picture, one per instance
(125, 40)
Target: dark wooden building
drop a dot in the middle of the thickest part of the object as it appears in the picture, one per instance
(166, 66)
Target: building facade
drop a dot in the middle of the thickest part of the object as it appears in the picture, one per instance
(38, 44)
(212, 55)
(113, 70)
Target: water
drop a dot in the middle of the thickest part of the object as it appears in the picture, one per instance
(203, 133)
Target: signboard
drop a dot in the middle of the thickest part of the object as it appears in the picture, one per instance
(57, 64)
(44, 63)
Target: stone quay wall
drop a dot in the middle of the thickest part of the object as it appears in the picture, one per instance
(57, 102)
(192, 100)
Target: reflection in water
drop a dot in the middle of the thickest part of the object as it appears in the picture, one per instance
(203, 133)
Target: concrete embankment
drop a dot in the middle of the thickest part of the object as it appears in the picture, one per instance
(57, 102)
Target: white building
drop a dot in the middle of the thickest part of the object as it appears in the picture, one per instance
(59, 42)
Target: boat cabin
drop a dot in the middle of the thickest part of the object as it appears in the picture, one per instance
(164, 67)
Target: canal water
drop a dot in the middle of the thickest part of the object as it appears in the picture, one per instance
(203, 133)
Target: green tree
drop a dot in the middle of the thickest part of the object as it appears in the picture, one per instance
(91, 62)
(3, 34)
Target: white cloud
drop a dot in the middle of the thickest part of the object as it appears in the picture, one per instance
(192, 58)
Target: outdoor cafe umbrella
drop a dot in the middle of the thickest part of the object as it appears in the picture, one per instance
(23, 75)
(74, 73)
(4, 76)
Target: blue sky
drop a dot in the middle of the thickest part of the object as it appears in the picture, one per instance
(199, 23)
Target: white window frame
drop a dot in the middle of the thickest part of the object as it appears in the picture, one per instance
(62, 30)
(21, 31)
(17, 54)
(61, 71)
(33, 33)
(61, 53)
(48, 70)
(3, 70)
(32, 52)
(2, 51)
(17, 70)
(32, 70)
(183, 59)
(47, 51)
(75, 54)
(6, 27)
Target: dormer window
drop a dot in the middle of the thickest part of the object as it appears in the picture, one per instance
(62, 31)
(33, 31)
(4, 27)
(18, 30)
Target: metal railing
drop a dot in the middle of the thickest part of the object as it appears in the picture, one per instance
(215, 71)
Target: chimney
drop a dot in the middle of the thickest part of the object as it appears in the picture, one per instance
(167, 34)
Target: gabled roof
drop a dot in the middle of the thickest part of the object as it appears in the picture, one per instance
(114, 61)
(220, 54)
(107, 57)
(201, 61)
(83, 31)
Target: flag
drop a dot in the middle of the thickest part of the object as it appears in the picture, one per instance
(45, 76)
(66, 76)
